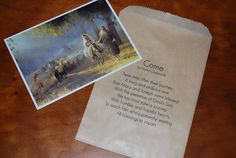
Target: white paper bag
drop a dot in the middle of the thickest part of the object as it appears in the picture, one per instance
(146, 110)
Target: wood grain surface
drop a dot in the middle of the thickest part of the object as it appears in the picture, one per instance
(50, 132)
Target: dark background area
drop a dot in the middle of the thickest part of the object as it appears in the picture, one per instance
(50, 132)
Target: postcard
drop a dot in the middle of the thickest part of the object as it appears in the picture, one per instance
(71, 51)
(146, 110)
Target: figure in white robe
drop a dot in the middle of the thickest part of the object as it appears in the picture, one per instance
(92, 49)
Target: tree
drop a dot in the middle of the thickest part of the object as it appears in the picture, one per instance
(79, 20)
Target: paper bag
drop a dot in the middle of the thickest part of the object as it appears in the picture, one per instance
(146, 110)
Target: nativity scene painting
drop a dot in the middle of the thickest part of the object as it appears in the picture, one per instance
(65, 54)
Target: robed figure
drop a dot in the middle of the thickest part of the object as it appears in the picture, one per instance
(109, 41)
(92, 49)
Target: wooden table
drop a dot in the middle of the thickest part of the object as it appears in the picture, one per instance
(50, 132)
